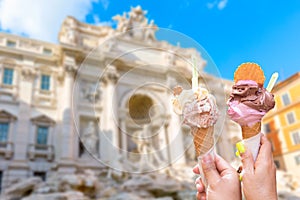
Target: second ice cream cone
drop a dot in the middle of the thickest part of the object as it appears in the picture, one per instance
(203, 139)
(248, 132)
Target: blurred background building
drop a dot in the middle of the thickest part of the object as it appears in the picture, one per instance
(82, 113)
(282, 125)
(60, 103)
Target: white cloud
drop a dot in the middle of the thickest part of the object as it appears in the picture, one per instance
(42, 19)
(220, 4)
(105, 4)
(97, 22)
(211, 5)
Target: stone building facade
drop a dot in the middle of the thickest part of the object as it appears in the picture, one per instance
(64, 107)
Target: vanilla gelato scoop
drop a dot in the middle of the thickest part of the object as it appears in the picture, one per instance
(198, 108)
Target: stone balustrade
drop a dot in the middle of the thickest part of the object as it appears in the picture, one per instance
(28, 45)
(7, 149)
(39, 150)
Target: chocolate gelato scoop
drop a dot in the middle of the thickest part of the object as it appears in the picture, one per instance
(255, 97)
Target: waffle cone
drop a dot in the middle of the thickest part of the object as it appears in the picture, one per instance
(248, 132)
(203, 139)
(249, 71)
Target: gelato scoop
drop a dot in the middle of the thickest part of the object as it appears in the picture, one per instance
(249, 102)
(200, 112)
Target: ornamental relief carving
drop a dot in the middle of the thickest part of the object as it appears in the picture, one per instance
(28, 74)
(89, 92)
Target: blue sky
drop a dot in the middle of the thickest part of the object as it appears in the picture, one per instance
(232, 32)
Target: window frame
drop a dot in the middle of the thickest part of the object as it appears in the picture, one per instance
(45, 121)
(42, 83)
(38, 126)
(1, 179)
(292, 136)
(277, 164)
(7, 117)
(47, 51)
(287, 118)
(40, 174)
(297, 159)
(265, 129)
(11, 43)
(289, 99)
(7, 131)
(11, 82)
(272, 145)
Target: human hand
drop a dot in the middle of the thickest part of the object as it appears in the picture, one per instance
(259, 178)
(222, 180)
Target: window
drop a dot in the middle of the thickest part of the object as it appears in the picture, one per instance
(277, 164)
(272, 145)
(290, 118)
(47, 51)
(0, 181)
(42, 134)
(297, 159)
(267, 128)
(286, 99)
(8, 76)
(11, 43)
(296, 137)
(45, 82)
(42, 175)
(4, 128)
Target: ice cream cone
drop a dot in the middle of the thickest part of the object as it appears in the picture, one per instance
(249, 71)
(248, 132)
(203, 139)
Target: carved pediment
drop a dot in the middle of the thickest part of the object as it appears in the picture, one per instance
(43, 119)
(7, 62)
(6, 115)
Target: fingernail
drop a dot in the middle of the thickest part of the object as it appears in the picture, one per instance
(241, 176)
(239, 170)
(198, 186)
(240, 147)
(207, 159)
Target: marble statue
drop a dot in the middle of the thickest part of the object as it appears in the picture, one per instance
(122, 22)
(90, 139)
(149, 156)
(150, 32)
(135, 24)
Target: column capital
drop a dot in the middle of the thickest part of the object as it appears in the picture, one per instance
(70, 68)
(171, 81)
(28, 74)
(110, 74)
(69, 64)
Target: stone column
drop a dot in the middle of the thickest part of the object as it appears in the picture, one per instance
(109, 119)
(123, 136)
(174, 131)
(162, 136)
(68, 134)
(19, 166)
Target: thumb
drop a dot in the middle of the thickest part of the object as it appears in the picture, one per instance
(209, 169)
(248, 162)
